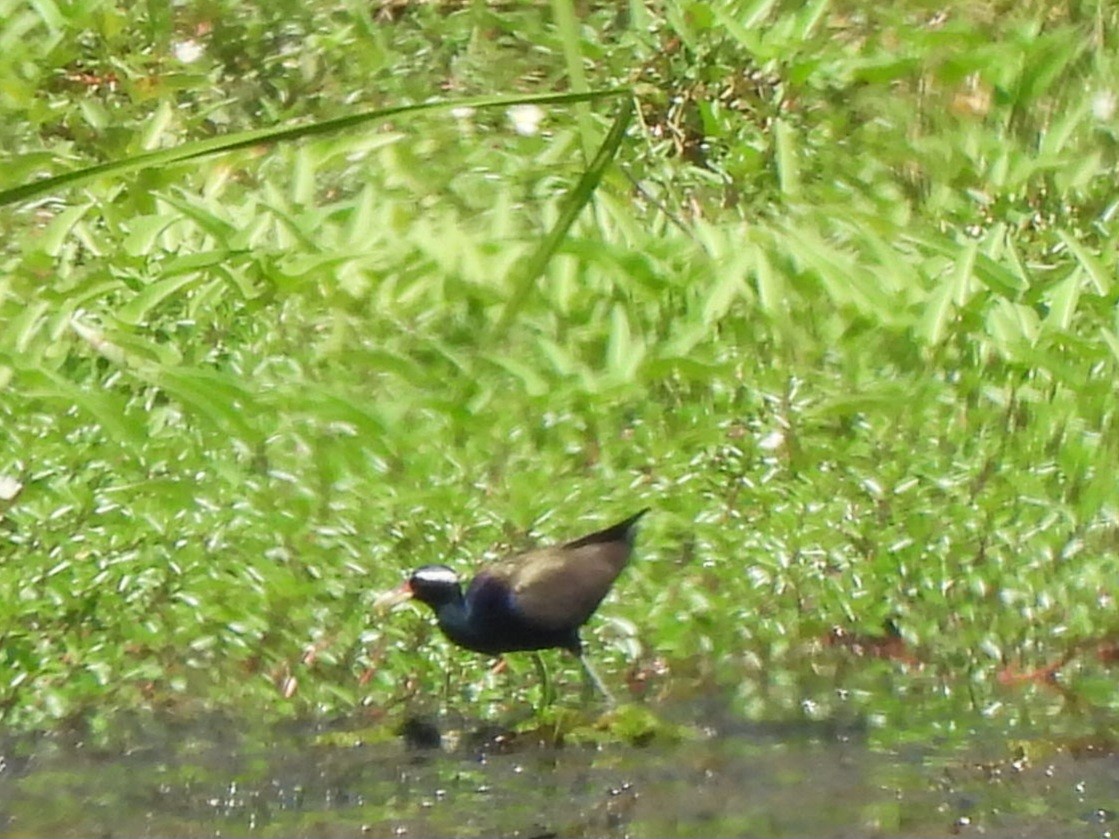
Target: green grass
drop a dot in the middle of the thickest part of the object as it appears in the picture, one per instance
(840, 307)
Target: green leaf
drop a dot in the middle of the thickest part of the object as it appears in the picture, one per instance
(534, 384)
(1063, 299)
(143, 231)
(61, 227)
(1089, 262)
(939, 309)
(108, 410)
(785, 158)
(222, 399)
(19, 331)
(726, 290)
(623, 351)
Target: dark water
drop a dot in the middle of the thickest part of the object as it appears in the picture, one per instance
(441, 776)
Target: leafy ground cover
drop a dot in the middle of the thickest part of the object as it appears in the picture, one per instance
(842, 310)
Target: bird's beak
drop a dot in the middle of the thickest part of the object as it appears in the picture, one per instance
(398, 595)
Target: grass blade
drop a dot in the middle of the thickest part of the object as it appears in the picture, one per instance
(261, 136)
(580, 196)
(567, 23)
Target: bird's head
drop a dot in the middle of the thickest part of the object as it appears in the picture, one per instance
(435, 585)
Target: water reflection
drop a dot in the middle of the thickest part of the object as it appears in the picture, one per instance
(446, 776)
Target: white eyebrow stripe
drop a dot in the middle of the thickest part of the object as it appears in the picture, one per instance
(437, 575)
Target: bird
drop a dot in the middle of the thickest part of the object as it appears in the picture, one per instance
(530, 601)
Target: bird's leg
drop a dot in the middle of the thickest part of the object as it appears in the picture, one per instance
(547, 691)
(591, 681)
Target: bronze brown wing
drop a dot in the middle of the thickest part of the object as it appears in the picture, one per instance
(559, 588)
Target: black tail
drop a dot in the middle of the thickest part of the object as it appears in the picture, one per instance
(623, 531)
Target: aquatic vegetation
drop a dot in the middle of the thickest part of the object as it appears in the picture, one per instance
(838, 300)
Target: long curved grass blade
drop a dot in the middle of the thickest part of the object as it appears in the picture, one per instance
(580, 196)
(261, 136)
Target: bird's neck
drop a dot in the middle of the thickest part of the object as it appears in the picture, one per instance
(454, 620)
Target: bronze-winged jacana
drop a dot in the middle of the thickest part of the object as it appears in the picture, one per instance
(530, 601)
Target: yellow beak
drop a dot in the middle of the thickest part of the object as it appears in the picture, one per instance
(392, 598)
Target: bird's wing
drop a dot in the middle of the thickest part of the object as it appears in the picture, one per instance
(559, 588)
